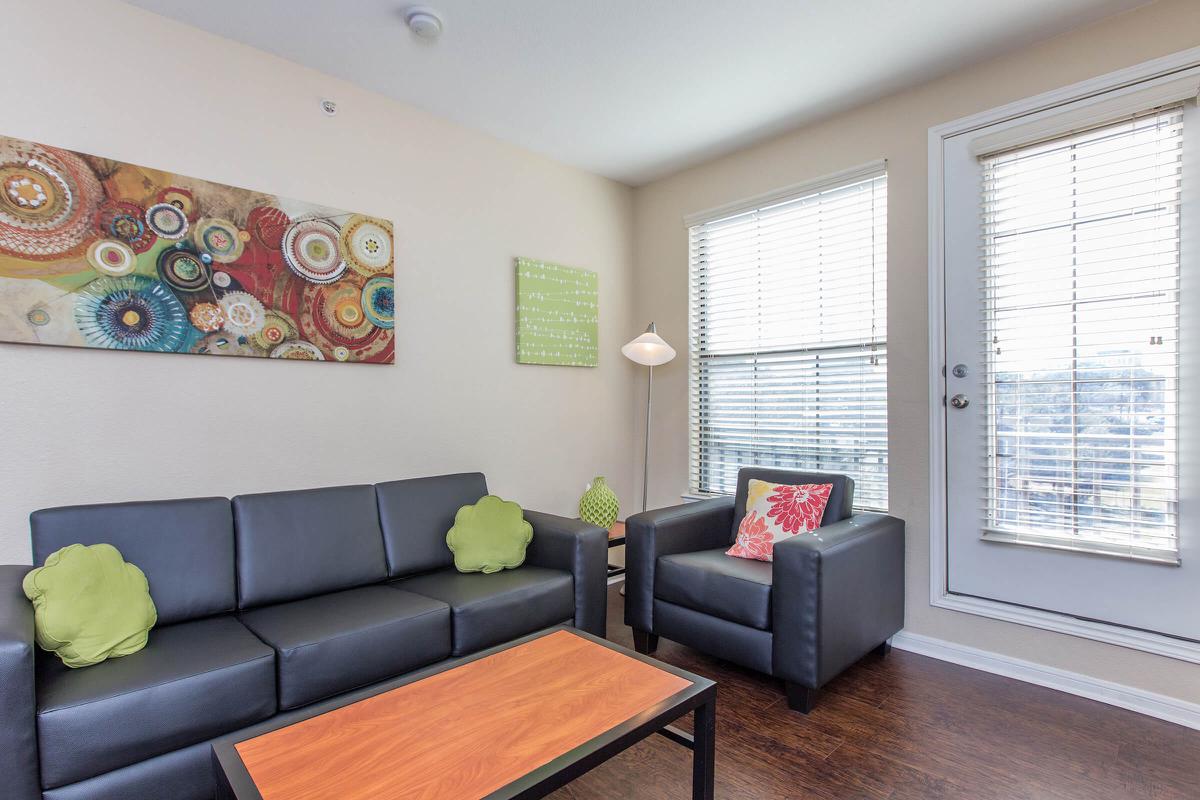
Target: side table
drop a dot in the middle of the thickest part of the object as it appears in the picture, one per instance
(616, 538)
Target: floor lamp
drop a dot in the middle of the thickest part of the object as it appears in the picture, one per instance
(651, 351)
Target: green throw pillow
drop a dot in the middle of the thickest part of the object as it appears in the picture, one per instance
(89, 604)
(489, 536)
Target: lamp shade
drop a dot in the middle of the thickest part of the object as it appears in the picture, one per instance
(649, 349)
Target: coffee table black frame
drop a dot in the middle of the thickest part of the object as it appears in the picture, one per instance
(234, 782)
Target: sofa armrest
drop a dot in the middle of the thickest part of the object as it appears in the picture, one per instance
(835, 596)
(703, 525)
(581, 549)
(18, 703)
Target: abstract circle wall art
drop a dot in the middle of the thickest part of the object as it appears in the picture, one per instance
(379, 302)
(311, 248)
(111, 257)
(130, 313)
(367, 244)
(104, 254)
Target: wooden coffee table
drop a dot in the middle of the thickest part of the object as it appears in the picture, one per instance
(516, 721)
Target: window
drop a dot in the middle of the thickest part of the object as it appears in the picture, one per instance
(1081, 338)
(789, 337)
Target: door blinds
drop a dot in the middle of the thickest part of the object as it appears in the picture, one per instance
(1080, 280)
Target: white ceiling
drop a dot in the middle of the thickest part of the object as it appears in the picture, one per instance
(636, 89)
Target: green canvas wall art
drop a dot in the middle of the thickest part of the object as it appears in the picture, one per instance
(557, 314)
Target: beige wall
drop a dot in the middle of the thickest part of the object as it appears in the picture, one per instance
(83, 426)
(896, 128)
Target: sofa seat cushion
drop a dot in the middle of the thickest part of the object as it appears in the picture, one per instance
(488, 609)
(332, 643)
(734, 589)
(193, 681)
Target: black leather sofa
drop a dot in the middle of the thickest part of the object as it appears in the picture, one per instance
(265, 604)
(826, 601)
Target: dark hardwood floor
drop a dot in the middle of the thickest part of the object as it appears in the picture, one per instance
(903, 728)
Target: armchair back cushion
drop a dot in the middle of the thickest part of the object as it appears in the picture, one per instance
(417, 514)
(839, 506)
(300, 544)
(185, 548)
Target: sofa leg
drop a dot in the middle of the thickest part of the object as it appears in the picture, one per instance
(801, 698)
(644, 642)
(883, 649)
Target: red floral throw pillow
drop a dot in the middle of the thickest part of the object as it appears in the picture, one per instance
(775, 512)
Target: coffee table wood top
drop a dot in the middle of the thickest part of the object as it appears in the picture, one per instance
(462, 733)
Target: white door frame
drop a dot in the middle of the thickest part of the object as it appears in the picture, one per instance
(939, 595)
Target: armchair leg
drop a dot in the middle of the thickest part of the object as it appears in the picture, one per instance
(883, 649)
(801, 698)
(644, 642)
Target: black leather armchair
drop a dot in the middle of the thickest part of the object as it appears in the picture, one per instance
(827, 600)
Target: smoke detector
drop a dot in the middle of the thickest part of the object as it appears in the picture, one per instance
(423, 21)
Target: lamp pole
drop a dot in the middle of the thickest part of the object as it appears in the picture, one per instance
(649, 350)
(646, 455)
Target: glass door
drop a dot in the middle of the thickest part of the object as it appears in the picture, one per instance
(1070, 430)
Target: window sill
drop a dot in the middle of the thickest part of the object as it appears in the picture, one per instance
(1148, 557)
(696, 497)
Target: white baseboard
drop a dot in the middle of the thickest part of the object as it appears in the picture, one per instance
(1171, 709)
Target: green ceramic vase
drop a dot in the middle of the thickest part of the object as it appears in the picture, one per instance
(599, 505)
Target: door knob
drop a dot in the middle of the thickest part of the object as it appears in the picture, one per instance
(960, 401)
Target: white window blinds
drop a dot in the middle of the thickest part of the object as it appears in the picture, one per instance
(1081, 336)
(789, 338)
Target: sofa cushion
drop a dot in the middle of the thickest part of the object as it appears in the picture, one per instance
(489, 536)
(185, 547)
(90, 604)
(734, 589)
(194, 681)
(416, 514)
(838, 508)
(777, 511)
(302, 544)
(333, 643)
(491, 608)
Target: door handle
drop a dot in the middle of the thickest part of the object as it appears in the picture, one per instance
(960, 401)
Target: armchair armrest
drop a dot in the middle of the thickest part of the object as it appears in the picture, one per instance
(835, 596)
(581, 549)
(678, 529)
(18, 703)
